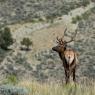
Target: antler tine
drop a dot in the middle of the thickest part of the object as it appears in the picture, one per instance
(73, 38)
(64, 32)
(75, 33)
(59, 40)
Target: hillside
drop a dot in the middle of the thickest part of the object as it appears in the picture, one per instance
(13, 11)
(41, 63)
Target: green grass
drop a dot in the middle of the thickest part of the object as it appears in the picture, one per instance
(36, 88)
(10, 79)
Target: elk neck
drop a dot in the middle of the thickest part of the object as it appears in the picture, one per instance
(61, 55)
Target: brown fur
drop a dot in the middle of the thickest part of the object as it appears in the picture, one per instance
(69, 68)
(68, 57)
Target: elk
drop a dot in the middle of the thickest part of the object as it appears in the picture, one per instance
(68, 57)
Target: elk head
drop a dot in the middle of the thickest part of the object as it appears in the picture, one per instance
(62, 44)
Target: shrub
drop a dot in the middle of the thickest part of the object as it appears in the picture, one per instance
(93, 10)
(12, 90)
(50, 19)
(76, 19)
(5, 38)
(85, 2)
(86, 15)
(27, 42)
(2, 0)
(11, 79)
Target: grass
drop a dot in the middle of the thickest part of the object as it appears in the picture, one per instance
(36, 88)
(10, 79)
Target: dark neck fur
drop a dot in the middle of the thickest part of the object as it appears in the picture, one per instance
(61, 54)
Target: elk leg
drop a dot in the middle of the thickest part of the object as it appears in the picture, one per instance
(74, 76)
(67, 76)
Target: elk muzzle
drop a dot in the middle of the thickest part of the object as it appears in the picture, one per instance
(55, 48)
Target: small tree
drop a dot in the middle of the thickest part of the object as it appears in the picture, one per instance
(5, 38)
(27, 42)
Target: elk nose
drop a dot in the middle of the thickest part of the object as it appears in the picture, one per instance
(53, 48)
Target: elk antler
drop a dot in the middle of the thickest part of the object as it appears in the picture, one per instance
(64, 32)
(72, 38)
(59, 40)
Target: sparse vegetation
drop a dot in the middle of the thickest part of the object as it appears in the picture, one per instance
(2, 0)
(76, 19)
(85, 2)
(84, 16)
(39, 8)
(93, 10)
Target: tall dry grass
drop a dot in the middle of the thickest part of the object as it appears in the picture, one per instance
(35, 88)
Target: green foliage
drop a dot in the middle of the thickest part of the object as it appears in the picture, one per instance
(93, 10)
(2, 0)
(76, 19)
(85, 2)
(86, 15)
(27, 42)
(5, 38)
(11, 79)
(12, 90)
